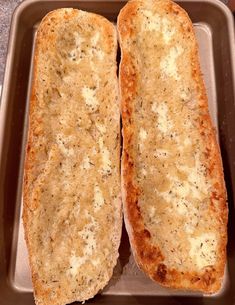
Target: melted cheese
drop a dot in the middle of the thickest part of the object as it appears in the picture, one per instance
(164, 123)
(168, 64)
(152, 211)
(144, 172)
(195, 186)
(181, 192)
(203, 249)
(105, 154)
(151, 22)
(76, 209)
(88, 234)
(142, 134)
(86, 163)
(63, 143)
(181, 189)
(168, 31)
(196, 181)
(99, 54)
(69, 79)
(95, 50)
(187, 142)
(142, 138)
(74, 54)
(89, 96)
(182, 206)
(161, 153)
(78, 40)
(95, 262)
(184, 95)
(75, 262)
(98, 198)
(100, 127)
(154, 22)
(95, 39)
(185, 207)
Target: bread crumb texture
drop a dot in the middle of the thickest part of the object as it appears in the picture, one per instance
(72, 212)
(172, 172)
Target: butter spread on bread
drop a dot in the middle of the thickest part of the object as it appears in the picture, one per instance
(72, 206)
(173, 188)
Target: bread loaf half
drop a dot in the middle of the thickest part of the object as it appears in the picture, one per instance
(172, 178)
(72, 208)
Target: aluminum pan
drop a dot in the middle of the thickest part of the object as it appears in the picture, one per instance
(214, 27)
(137, 282)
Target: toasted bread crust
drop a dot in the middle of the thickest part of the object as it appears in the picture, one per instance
(43, 151)
(149, 256)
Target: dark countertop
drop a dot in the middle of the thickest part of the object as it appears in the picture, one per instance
(6, 9)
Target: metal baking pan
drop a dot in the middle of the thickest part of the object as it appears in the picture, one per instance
(213, 24)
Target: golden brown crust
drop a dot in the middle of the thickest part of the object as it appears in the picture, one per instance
(149, 256)
(43, 152)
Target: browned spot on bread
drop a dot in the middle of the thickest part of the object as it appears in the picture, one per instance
(146, 234)
(195, 279)
(129, 77)
(148, 254)
(208, 278)
(161, 272)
